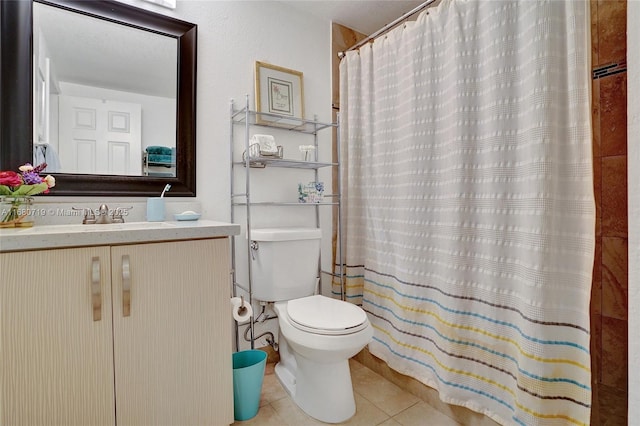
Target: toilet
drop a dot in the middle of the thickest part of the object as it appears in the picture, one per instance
(317, 334)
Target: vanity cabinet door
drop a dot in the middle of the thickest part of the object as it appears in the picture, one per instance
(172, 333)
(56, 357)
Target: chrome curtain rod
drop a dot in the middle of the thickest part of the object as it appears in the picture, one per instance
(388, 27)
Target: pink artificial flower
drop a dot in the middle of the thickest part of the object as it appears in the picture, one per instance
(10, 178)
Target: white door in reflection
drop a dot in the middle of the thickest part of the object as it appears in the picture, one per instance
(100, 136)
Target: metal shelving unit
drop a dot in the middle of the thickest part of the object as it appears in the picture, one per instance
(246, 118)
(262, 162)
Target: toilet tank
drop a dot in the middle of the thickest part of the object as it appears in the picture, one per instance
(285, 263)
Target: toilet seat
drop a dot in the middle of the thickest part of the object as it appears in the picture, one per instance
(323, 315)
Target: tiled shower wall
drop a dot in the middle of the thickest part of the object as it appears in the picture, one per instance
(610, 279)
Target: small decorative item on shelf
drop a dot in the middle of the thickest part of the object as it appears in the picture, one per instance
(306, 151)
(312, 192)
(16, 190)
(257, 156)
(267, 144)
(256, 153)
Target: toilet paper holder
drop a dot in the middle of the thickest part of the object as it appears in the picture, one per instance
(242, 309)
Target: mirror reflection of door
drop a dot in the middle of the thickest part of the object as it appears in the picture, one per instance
(101, 137)
(95, 58)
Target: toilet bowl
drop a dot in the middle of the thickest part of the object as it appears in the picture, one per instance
(318, 335)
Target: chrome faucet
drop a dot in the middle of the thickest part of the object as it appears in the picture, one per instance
(103, 215)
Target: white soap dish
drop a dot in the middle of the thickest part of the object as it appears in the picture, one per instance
(188, 215)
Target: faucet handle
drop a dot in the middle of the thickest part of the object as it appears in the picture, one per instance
(89, 217)
(117, 216)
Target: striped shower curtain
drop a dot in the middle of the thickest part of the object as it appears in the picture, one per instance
(469, 212)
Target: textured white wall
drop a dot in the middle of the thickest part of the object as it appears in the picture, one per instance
(633, 147)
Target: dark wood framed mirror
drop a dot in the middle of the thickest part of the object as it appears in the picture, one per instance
(16, 103)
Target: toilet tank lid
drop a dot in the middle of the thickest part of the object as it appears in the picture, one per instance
(285, 234)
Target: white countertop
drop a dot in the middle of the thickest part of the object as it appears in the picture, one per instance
(59, 236)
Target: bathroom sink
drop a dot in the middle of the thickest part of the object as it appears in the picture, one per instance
(106, 227)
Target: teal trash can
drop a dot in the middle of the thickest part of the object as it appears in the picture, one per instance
(248, 372)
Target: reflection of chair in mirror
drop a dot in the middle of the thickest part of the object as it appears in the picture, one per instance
(159, 161)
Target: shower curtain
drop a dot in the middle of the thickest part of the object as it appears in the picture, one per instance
(469, 213)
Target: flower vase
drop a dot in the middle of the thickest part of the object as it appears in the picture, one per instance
(15, 212)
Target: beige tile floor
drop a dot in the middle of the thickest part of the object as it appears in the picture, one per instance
(378, 402)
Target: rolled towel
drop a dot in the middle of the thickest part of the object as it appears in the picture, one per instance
(267, 143)
(161, 150)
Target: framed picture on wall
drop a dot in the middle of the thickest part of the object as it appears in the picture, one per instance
(279, 91)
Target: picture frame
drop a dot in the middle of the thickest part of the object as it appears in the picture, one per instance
(279, 91)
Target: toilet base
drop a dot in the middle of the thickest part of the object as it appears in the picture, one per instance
(322, 390)
(286, 379)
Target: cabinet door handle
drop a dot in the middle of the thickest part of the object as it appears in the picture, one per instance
(96, 289)
(126, 286)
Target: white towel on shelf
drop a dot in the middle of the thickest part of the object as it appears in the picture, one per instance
(267, 143)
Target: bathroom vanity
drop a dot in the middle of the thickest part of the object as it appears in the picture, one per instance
(124, 324)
